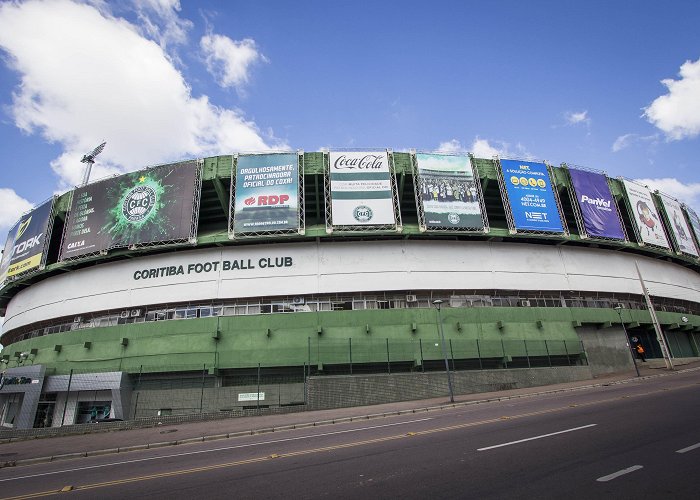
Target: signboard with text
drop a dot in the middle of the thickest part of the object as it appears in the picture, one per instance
(145, 207)
(447, 190)
(679, 227)
(598, 209)
(361, 191)
(645, 215)
(530, 196)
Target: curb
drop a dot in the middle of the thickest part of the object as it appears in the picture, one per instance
(370, 416)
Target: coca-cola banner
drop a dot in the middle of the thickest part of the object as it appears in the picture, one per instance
(679, 227)
(361, 189)
(645, 215)
(600, 217)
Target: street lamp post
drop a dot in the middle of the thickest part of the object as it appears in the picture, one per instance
(437, 303)
(618, 308)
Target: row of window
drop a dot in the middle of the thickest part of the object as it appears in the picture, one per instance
(353, 303)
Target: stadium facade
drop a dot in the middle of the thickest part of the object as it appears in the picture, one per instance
(311, 279)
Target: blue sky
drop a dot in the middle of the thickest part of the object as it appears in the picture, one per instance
(611, 85)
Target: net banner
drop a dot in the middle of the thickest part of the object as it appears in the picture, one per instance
(361, 193)
(530, 196)
(447, 188)
(694, 221)
(599, 212)
(679, 227)
(149, 206)
(267, 193)
(26, 242)
(645, 214)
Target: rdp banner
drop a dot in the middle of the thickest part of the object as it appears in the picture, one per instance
(679, 227)
(448, 193)
(267, 193)
(26, 242)
(150, 206)
(645, 215)
(361, 192)
(599, 212)
(530, 196)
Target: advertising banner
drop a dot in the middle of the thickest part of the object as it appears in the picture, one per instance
(645, 215)
(267, 193)
(599, 212)
(26, 242)
(532, 201)
(694, 221)
(149, 206)
(361, 189)
(447, 190)
(679, 227)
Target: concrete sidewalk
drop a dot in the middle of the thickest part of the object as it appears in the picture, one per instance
(119, 441)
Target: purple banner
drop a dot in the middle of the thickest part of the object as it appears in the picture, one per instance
(600, 217)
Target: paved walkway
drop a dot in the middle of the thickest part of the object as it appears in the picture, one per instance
(118, 441)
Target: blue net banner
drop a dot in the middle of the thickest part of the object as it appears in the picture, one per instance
(530, 196)
(598, 209)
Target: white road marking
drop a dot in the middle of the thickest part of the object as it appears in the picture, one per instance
(174, 455)
(536, 437)
(619, 473)
(689, 448)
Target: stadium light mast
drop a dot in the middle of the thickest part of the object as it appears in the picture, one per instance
(89, 159)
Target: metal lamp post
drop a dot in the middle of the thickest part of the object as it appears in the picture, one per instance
(618, 308)
(437, 303)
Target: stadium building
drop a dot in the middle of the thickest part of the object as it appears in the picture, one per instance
(331, 278)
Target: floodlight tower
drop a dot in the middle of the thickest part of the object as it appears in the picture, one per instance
(90, 159)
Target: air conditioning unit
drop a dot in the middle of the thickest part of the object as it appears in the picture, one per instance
(525, 303)
(298, 301)
(78, 319)
(124, 314)
(135, 313)
(411, 298)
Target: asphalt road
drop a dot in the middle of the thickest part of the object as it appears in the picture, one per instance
(636, 440)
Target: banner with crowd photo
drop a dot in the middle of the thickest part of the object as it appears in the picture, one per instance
(530, 196)
(266, 194)
(679, 227)
(448, 192)
(598, 209)
(26, 242)
(645, 215)
(361, 189)
(151, 206)
(694, 221)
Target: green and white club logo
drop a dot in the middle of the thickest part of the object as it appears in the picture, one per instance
(139, 203)
(362, 213)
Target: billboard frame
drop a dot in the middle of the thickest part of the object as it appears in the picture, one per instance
(578, 215)
(301, 205)
(47, 242)
(194, 217)
(328, 200)
(422, 226)
(512, 229)
(633, 220)
(671, 233)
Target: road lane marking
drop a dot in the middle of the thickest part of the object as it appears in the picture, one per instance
(619, 473)
(536, 437)
(199, 452)
(689, 448)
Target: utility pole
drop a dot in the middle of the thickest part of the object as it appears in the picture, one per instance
(657, 327)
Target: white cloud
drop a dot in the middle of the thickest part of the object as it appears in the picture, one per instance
(677, 113)
(160, 20)
(573, 118)
(483, 148)
(12, 206)
(229, 61)
(87, 76)
(451, 146)
(627, 140)
(686, 193)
